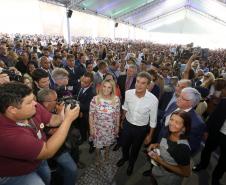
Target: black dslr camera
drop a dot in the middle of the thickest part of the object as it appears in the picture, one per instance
(69, 101)
(12, 75)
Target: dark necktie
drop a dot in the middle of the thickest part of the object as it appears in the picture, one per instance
(128, 82)
(170, 109)
(163, 128)
(80, 93)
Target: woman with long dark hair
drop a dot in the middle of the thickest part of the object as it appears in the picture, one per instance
(172, 156)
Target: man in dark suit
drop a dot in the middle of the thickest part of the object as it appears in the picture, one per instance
(84, 94)
(46, 65)
(216, 128)
(23, 62)
(126, 82)
(4, 57)
(80, 66)
(70, 67)
(170, 97)
(187, 100)
(99, 75)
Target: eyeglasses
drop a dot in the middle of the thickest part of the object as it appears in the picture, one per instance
(51, 100)
(62, 78)
(181, 97)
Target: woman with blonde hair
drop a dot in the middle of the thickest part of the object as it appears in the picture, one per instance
(104, 118)
(208, 80)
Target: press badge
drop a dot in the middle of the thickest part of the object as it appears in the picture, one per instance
(39, 134)
(70, 88)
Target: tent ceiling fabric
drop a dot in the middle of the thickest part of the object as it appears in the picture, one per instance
(146, 13)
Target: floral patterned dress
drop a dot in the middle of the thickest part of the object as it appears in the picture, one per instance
(105, 115)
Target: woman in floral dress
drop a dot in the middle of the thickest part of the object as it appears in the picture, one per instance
(104, 118)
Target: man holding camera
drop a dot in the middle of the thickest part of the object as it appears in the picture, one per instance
(24, 147)
(68, 168)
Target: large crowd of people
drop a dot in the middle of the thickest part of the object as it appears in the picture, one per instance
(54, 97)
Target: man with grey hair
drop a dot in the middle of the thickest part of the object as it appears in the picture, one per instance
(168, 99)
(68, 168)
(184, 90)
(127, 81)
(59, 75)
(187, 100)
(46, 65)
(61, 83)
(167, 103)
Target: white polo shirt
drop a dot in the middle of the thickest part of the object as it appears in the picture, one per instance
(141, 111)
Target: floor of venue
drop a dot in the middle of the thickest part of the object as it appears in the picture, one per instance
(109, 174)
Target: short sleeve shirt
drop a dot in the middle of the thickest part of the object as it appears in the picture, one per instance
(20, 146)
(141, 111)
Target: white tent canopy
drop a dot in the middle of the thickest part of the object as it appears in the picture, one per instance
(167, 21)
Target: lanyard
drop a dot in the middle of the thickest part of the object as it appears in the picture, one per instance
(33, 126)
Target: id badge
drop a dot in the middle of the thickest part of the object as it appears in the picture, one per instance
(70, 88)
(39, 134)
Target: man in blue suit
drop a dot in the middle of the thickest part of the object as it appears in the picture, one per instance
(187, 100)
(167, 105)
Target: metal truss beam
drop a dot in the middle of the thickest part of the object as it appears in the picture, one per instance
(209, 16)
(73, 4)
(161, 16)
(56, 2)
(139, 9)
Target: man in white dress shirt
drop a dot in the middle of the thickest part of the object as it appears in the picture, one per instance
(140, 113)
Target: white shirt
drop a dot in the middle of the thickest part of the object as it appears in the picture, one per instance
(85, 89)
(142, 110)
(101, 75)
(223, 128)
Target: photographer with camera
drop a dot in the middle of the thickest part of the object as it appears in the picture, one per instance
(65, 94)
(12, 72)
(68, 168)
(22, 123)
